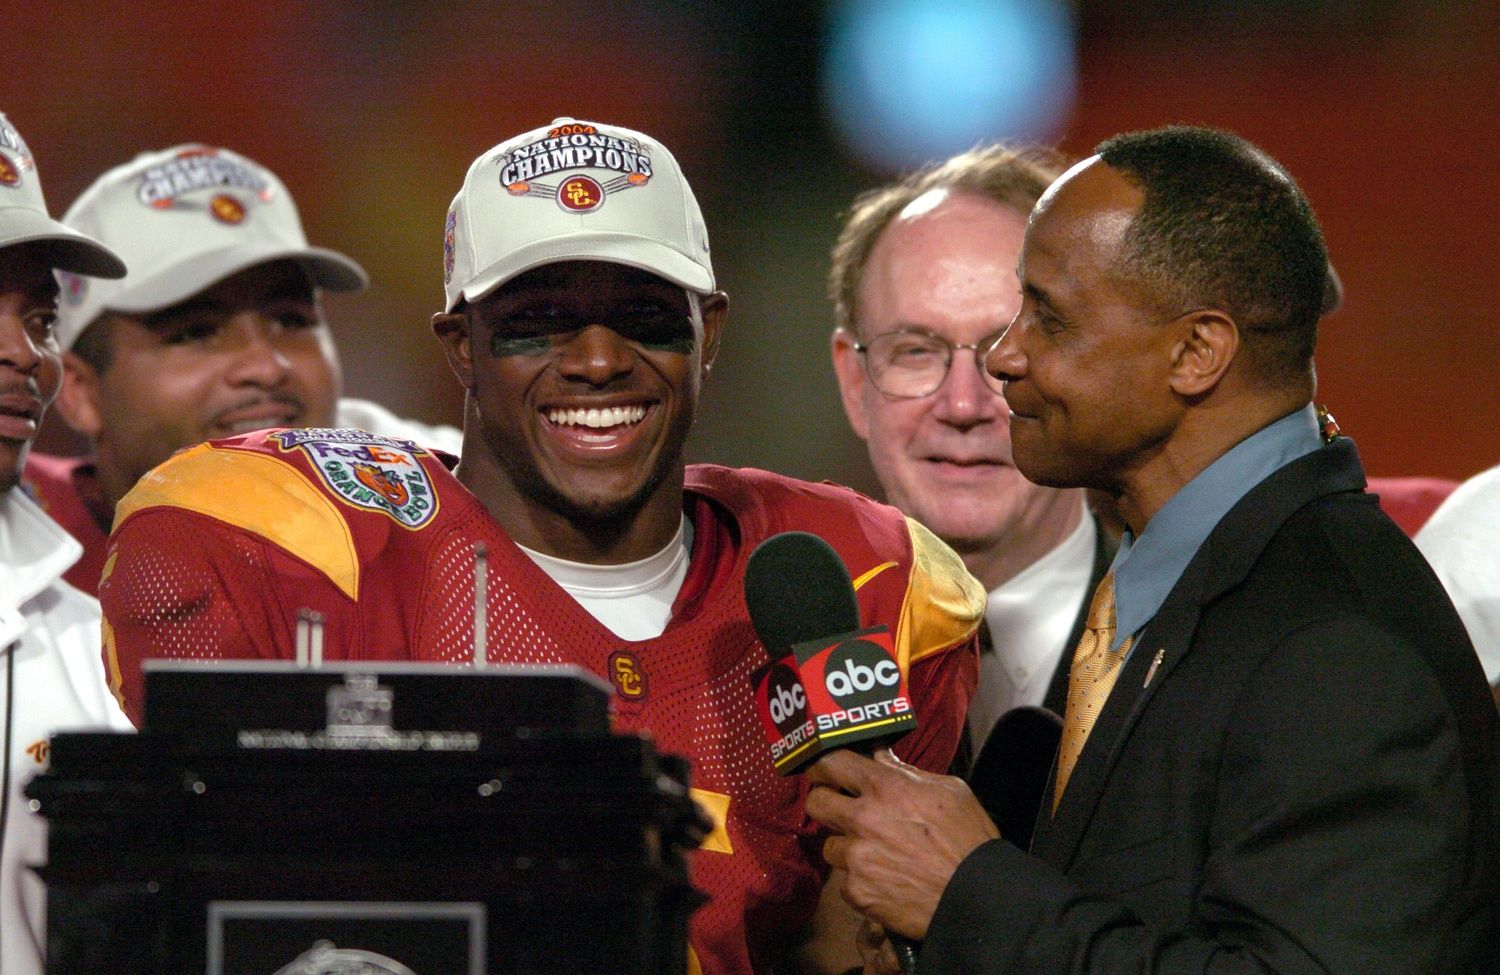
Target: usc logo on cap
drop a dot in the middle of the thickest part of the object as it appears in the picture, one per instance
(580, 194)
(10, 174)
(226, 209)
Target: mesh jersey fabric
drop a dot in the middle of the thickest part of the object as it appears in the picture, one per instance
(216, 551)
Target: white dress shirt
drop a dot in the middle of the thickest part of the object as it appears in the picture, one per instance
(1030, 618)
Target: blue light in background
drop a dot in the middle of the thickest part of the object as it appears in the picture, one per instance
(909, 81)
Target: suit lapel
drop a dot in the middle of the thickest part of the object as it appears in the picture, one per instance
(1221, 563)
(1170, 635)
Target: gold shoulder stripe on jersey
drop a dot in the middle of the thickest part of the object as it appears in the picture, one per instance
(944, 603)
(867, 576)
(716, 804)
(271, 498)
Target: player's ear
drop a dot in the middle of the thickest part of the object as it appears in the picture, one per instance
(851, 376)
(452, 329)
(80, 399)
(715, 310)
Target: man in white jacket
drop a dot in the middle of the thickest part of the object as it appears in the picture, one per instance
(51, 675)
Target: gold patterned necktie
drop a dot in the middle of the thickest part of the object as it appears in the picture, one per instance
(1095, 667)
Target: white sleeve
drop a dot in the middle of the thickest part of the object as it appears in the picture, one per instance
(1462, 542)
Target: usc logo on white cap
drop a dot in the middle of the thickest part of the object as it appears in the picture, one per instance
(580, 194)
(226, 209)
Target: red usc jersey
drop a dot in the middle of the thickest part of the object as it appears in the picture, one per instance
(216, 551)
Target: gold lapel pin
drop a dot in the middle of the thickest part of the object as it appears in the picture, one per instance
(1155, 663)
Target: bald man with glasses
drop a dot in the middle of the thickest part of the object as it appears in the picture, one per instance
(923, 275)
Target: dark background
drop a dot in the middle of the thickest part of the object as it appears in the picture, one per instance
(1388, 114)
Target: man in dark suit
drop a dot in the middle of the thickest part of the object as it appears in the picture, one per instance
(1280, 756)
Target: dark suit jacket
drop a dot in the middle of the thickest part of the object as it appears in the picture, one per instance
(1308, 782)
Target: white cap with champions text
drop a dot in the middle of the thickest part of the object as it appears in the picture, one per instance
(185, 219)
(573, 191)
(24, 219)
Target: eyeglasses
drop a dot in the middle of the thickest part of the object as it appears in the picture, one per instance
(910, 363)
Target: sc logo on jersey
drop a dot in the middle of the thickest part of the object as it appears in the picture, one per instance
(626, 674)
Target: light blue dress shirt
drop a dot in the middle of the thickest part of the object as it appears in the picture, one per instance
(1147, 568)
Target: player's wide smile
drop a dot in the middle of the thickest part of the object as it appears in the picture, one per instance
(597, 428)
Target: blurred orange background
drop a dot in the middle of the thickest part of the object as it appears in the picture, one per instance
(1387, 113)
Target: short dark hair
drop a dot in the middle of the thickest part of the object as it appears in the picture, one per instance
(1013, 176)
(1223, 225)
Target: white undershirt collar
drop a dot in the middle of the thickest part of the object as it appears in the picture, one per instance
(633, 600)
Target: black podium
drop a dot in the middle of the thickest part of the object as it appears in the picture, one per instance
(364, 820)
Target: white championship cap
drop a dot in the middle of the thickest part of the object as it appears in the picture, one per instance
(185, 219)
(24, 220)
(573, 191)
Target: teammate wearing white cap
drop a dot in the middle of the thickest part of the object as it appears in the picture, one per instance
(216, 330)
(50, 677)
(581, 317)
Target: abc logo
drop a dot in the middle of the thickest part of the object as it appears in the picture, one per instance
(785, 699)
(861, 670)
(860, 677)
(786, 703)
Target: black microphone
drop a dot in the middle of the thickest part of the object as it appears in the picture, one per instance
(830, 683)
(1009, 778)
(797, 590)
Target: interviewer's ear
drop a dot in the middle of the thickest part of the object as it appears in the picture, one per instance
(1209, 341)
